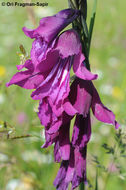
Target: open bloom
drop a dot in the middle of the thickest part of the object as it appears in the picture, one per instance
(72, 170)
(82, 96)
(44, 35)
(54, 90)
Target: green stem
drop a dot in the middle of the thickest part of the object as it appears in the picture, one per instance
(92, 20)
(81, 187)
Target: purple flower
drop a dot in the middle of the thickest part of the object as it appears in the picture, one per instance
(83, 96)
(73, 170)
(62, 142)
(36, 69)
(54, 90)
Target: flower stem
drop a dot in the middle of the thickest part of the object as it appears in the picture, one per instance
(81, 187)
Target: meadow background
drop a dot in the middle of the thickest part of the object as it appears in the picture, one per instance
(23, 164)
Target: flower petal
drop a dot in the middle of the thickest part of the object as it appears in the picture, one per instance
(55, 86)
(49, 27)
(59, 182)
(45, 112)
(68, 44)
(80, 162)
(80, 69)
(38, 51)
(101, 112)
(55, 126)
(64, 142)
(50, 139)
(26, 79)
(81, 131)
(57, 156)
(28, 65)
(80, 96)
(68, 108)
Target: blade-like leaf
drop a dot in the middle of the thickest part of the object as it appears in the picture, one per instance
(81, 187)
(71, 4)
(96, 181)
(83, 8)
(85, 28)
(92, 20)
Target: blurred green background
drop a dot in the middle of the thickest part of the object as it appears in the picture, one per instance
(23, 164)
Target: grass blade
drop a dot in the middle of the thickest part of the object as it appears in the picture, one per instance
(96, 181)
(92, 20)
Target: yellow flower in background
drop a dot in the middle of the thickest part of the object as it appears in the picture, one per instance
(118, 93)
(2, 71)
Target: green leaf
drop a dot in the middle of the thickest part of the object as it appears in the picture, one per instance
(81, 187)
(92, 20)
(96, 180)
(85, 28)
(71, 4)
(83, 5)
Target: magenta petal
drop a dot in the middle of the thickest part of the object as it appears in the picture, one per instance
(80, 96)
(80, 70)
(45, 112)
(55, 86)
(68, 108)
(64, 142)
(44, 89)
(55, 127)
(29, 32)
(49, 27)
(50, 139)
(57, 156)
(68, 44)
(28, 65)
(71, 167)
(26, 79)
(52, 57)
(60, 182)
(81, 131)
(80, 162)
(38, 51)
(101, 112)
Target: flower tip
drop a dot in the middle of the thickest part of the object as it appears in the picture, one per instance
(23, 29)
(28, 32)
(95, 76)
(117, 125)
(7, 84)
